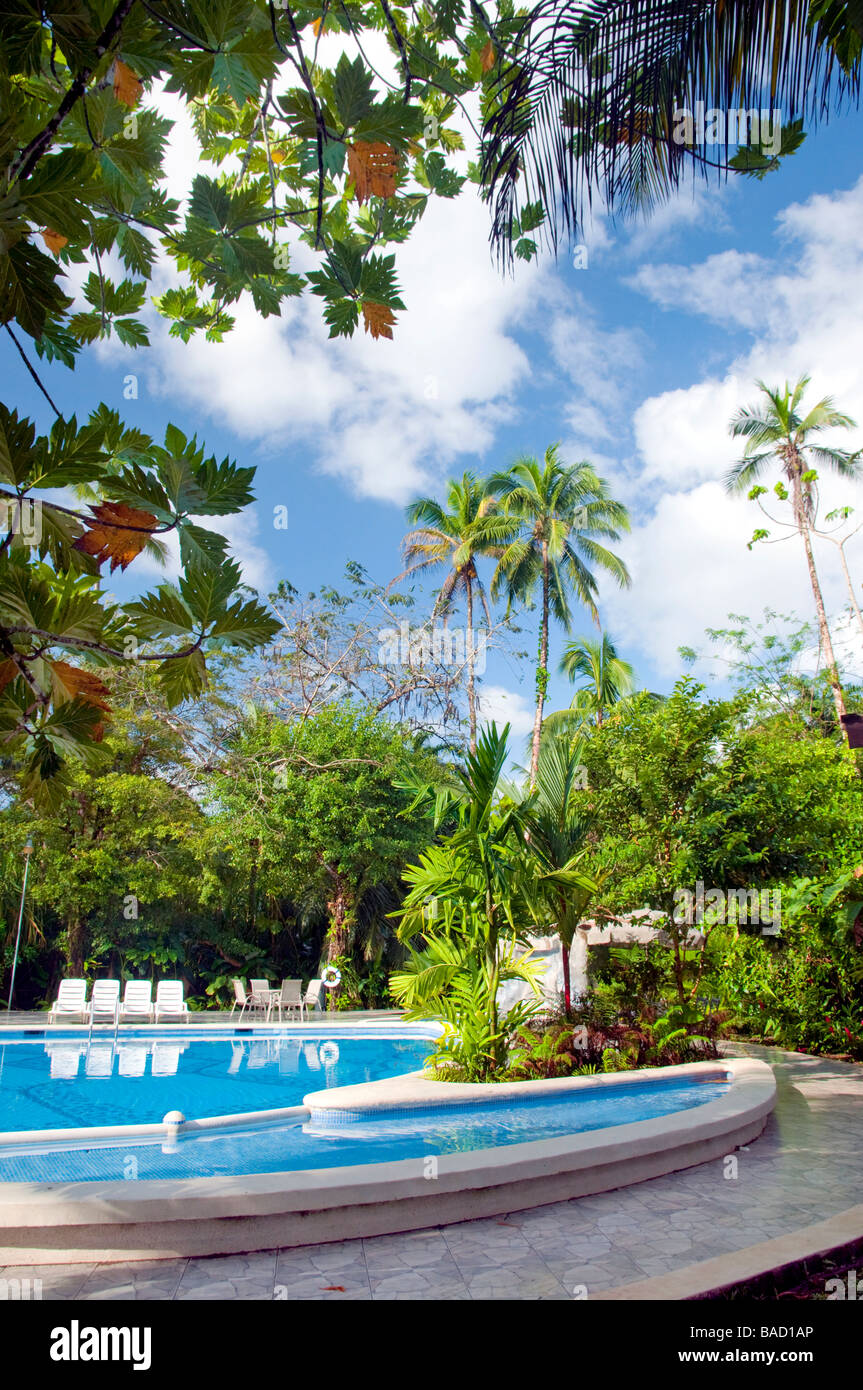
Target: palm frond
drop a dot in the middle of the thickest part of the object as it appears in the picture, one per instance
(586, 110)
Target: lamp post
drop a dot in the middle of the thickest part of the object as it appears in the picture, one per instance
(28, 850)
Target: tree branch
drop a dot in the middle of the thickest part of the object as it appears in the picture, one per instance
(30, 156)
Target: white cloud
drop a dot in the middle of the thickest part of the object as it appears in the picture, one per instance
(695, 204)
(387, 417)
(691, 568)
(689, 561)
(599, 363)
(682, 436)
(731, 287)
(496, 704)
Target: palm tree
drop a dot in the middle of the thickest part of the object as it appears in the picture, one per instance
(558, 514)
(557, 827)
(455, 538)
(776, 431)
(585, 110)
(608, 678)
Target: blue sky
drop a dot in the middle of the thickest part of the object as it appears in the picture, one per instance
(636, 362)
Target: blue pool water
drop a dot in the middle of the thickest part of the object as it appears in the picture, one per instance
(62, 1082)
(416, 1135)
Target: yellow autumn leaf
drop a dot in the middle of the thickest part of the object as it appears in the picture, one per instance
(277, 156)
(372, 166)
(127, 87)
(317, 25)
(488, 56)
(378, 319)
(55, 241)
(116, 532)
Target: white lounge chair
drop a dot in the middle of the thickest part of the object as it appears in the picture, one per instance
(105, 1001)
(71, 999)
(99, 1062)
(137, 1000)
(133, 1059)
(65, 1060)
(314, 994)
(169, 1000)
(166, 1058)
(289, 998)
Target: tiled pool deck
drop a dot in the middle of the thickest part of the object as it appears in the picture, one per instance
(807, 1165)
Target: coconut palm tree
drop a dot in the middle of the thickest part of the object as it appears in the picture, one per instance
(558, 515)
(777, 431)
(586, 109)
(454, 536)
(607, 677)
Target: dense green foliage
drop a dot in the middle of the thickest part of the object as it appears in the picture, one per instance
(339, 157)
(468, 913)
(337, 154)
(158, 864)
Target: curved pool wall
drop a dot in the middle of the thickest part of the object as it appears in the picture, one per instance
(45, 1223)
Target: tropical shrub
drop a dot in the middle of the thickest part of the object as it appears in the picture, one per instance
(804, 989)
(466, 918)
(536, 1056)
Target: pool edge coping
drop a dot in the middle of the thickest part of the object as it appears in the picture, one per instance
(52, 1222)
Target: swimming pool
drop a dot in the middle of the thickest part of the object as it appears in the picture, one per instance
(65, 1081)
(300, 1144)
(393, 1154)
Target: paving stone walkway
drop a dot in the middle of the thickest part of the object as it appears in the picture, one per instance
(806, 1166)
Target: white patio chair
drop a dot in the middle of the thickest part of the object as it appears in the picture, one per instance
(290, 997)
(259, 1054)
(240, 995)
(71, 999)
(262, 994)
(99, 1062)
(313, 1061)
(137, 1000)
(169, 1000)
(289, 1056)
(314, 995)
(105, 1001)
(254, 1002)
(65, 1060)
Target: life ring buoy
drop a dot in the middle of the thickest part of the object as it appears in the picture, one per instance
(330, 977)
(329, 1053)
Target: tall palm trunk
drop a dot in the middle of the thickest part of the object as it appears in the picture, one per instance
(471, 681)
(541, 670)
(802, 518)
